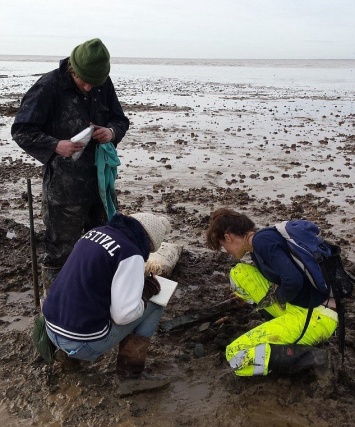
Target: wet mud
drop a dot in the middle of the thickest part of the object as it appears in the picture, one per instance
(185, 160)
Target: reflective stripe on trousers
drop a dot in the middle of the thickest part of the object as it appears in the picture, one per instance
(253, 361)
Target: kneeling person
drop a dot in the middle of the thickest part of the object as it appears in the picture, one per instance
(101, 297)
(278, 286)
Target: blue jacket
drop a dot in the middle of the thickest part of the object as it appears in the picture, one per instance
(272, 258)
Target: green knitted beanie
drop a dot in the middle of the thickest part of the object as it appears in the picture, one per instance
(91, 62)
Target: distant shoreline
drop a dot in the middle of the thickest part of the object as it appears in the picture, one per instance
(292, 63)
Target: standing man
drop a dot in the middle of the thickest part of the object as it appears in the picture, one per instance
(59, 105)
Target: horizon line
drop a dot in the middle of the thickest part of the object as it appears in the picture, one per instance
(183, 58)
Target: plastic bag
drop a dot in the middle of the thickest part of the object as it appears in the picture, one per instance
(43, 344)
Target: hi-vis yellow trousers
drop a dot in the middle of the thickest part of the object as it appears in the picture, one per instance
(250, 353)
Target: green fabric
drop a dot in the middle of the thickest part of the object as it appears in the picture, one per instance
(91, 62)
(107, 161)
(43, 344)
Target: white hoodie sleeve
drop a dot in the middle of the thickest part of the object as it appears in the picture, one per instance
(126, 291)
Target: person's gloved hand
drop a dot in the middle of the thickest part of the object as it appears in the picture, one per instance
(151, 287)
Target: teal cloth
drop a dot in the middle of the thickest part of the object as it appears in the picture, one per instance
(107, 161)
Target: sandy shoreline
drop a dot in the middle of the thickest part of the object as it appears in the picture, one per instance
(273, 154)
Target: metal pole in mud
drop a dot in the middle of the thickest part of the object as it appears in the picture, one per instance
(33, 245)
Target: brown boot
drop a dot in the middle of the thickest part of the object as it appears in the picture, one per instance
(130, 375)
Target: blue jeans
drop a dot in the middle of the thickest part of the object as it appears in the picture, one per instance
(91, 350)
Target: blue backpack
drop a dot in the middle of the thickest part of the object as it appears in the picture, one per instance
(318, 259)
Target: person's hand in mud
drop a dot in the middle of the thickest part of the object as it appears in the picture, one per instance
(103, 135)
(66, 148)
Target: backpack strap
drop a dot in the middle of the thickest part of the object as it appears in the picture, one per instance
(308, 318)
(341, 327)
(306, 323)
(339, 305)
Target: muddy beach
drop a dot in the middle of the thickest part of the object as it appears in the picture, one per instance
(275, 151)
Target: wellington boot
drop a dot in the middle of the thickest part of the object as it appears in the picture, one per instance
(48, 275)
(294, 358)
(130, 375)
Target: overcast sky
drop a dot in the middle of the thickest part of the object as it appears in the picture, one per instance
(255, 29)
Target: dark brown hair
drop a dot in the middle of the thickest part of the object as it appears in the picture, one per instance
(225, 220)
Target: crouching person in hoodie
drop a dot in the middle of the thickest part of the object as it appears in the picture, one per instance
(100, 298)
